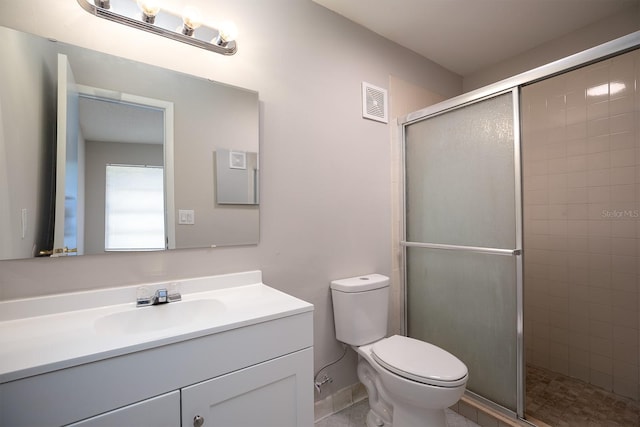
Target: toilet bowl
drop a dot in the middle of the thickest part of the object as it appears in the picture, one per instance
(409, 382)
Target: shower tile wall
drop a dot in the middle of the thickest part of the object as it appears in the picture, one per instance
(581, 188)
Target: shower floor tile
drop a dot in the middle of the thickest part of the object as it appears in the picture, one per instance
(561, 401)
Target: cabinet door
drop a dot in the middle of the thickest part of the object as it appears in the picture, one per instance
(277, 393)
(160, 411)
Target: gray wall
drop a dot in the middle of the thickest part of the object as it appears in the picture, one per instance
(618, 25)
(325, 194)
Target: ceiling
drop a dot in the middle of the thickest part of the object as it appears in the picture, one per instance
(465, 36)
(108, 121)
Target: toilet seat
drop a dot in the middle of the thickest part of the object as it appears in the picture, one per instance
(419, 361)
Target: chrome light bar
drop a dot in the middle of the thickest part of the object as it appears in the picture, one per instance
(164, 23)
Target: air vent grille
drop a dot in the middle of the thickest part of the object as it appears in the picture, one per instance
(374, 103)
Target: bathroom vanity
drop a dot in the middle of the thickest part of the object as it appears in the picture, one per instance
(232, 352)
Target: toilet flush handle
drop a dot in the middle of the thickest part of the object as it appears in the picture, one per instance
(198, 421)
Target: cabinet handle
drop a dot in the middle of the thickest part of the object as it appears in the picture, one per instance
(198, 421)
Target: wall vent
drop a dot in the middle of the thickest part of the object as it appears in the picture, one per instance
(374, 103)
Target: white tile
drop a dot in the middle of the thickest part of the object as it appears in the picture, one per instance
(598, 144)
(468, 411)
(579, 371)
(624, 387)
(624, 264)
(577, 294)
(577, 179)
(577, 147)
(600, 330)
(576, 163)
(623, 228)
(558, 165)
(355, 416)
(601, 380)
(626, 351)
(485, 420)
(323, 407)
(623, 175)
(557, 195)
(622, 140)
(576, 99)
(599, 160)
(575, 115)
(598, 127)
(598, 110)
(577, 195)
(622, 158)
(621, 105)
(580, 341)
(622, 123)
(623, 193)
(342, 399)
(600, 244)
(601, 312)
(624, 281)
(598, 177)
(626, 318)
(600, 228)
(600, 346)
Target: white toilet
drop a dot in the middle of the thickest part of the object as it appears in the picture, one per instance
(409, 382)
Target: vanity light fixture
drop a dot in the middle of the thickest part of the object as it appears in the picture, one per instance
(148, 15)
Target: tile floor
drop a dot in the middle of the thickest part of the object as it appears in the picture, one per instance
(566, 402)
(356, 415)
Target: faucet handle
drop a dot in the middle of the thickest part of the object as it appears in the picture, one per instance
(174, 294)
(161, 296)
(143, 297)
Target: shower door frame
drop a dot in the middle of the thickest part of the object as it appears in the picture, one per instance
(613, 48)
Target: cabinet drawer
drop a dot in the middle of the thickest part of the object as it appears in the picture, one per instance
(161, 411)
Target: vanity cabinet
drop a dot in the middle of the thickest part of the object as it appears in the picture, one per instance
(255, 368)
(266, 395)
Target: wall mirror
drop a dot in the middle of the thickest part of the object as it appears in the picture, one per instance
(100, 154)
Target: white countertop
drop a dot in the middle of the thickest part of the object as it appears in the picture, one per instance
(39, 335)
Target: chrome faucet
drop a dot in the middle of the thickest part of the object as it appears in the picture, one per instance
(162, 296)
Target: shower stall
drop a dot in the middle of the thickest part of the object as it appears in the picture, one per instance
(522, 237)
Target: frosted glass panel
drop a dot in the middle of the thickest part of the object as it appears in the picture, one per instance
(461, 191)
(466, 303)
(460, 176)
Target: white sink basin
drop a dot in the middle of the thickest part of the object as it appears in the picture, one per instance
(54, 332)
(159, 317)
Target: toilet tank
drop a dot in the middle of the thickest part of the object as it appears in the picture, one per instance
(360, 308)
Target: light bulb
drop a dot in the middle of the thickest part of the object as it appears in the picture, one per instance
(104, 4)
(227, 31)
(150, 9)
(192, 19)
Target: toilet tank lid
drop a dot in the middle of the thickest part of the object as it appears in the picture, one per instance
(368, 282)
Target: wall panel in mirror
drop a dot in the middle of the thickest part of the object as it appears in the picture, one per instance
(202, 117)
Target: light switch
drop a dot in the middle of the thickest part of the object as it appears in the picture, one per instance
(186, 216)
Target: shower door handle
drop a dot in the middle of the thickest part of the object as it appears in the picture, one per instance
(477, 249)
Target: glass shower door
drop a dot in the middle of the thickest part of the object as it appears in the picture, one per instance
(462, 241)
